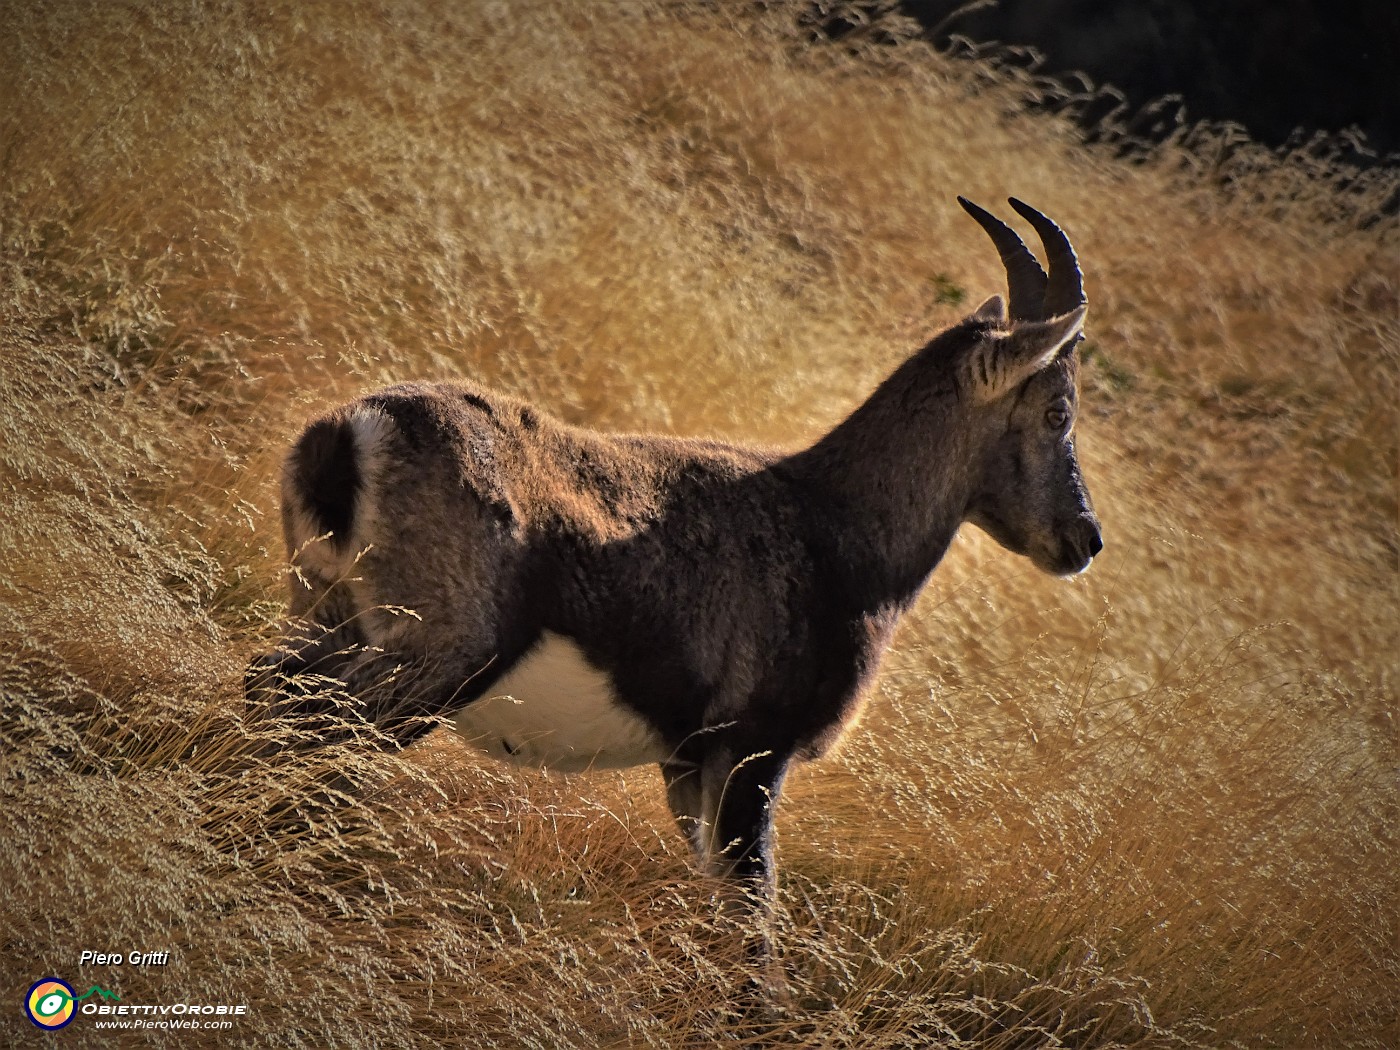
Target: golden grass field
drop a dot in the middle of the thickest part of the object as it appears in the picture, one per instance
(1152, 806)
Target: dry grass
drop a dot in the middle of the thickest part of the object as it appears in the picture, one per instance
(1152, 807)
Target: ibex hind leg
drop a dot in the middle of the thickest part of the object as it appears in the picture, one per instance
(301, 677)
(385, 700)
(367, 664)
(371, 702)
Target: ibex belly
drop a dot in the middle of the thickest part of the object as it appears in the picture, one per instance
(555, 709)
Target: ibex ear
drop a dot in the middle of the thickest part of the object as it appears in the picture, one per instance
(1000, 364)
(994, 310)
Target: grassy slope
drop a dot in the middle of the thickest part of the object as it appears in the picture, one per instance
(1155, 804)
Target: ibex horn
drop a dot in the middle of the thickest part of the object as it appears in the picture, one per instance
(1064, 290)
(1025, 280)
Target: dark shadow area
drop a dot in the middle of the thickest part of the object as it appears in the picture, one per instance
(1287, 70)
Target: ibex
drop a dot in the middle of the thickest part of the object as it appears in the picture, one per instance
(579, 600)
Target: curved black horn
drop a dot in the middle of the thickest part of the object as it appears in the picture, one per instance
(1026, 282)
(1065, 289)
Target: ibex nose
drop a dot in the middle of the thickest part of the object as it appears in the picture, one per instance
(1095, 539)
(1084, 541)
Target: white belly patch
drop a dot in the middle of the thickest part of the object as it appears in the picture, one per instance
(555, 709)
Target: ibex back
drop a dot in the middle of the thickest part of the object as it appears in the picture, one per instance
(578, 600)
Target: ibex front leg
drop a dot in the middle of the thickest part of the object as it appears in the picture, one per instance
(740, 792)
(686, 797)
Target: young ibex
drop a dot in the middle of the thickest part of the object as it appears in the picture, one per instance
(581, 600)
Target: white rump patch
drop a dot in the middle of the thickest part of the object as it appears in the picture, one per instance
(555, 709)
(372, 429)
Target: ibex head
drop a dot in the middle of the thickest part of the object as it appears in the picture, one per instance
(1021, 379)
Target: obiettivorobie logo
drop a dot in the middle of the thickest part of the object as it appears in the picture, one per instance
(52, 1003)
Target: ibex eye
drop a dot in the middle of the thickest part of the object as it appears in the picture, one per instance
(1056, 418)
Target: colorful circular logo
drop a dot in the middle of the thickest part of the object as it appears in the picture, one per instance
(49, 1003)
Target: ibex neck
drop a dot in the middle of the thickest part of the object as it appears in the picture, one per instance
(893, 480)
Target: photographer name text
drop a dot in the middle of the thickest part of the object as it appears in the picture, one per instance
(133, 958)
